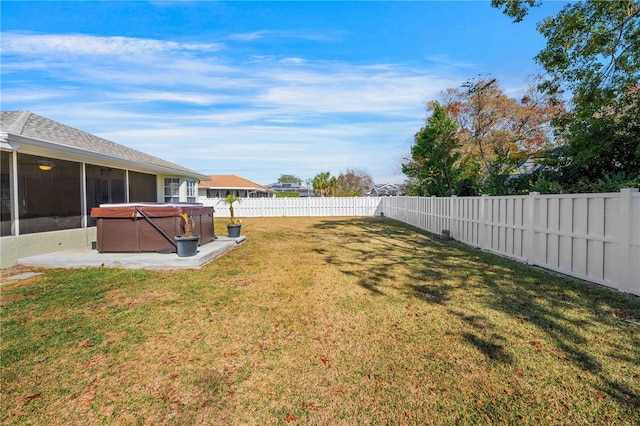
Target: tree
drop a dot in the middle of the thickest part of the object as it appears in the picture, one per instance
(592, 45)
(290, 179)
(496, 131)
(604, 144)
(477, 137)
(324, 184)
(353, 183)
(517, 9)
(432, 168)
(592, 49)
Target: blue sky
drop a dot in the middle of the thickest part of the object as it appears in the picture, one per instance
(258, 89)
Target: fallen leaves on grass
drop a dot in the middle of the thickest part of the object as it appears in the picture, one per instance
(290, 418)
(324, 360)
(32, 397)
(86, 343)
(311, 405)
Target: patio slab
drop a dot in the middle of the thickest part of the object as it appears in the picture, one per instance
(85, 257)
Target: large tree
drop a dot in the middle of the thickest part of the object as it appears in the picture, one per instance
(476, 139)
(353, 183)
(432, 168)
(593, 49)
(498, 131)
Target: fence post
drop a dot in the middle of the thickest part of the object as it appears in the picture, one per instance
(625, 216)
(453, 225)
(529, 226)
(482, 232)
(432, 214)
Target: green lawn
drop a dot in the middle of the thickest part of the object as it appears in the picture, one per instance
(321, 321)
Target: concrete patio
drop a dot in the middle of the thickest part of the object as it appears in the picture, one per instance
(87, 258)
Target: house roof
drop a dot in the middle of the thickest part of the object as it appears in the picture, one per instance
(31, 127)
(232, 182)
(386, 189)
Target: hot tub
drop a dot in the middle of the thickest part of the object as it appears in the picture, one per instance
(148, 227)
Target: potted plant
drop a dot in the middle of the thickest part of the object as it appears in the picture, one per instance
(234, 226)
(187, 243)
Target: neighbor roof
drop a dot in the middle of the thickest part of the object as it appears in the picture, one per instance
(26, 124)
(231, 181)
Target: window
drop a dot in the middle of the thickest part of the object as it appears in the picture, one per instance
(171, 190)
(191, 191)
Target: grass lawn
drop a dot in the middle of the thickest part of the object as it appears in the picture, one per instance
(321, 321)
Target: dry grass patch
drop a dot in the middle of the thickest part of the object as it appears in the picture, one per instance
(321, 321)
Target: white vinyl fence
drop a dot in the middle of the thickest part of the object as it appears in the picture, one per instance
(595, 237)
(303, 206)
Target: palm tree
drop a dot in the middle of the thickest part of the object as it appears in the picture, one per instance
(229, 199)
(324, 184)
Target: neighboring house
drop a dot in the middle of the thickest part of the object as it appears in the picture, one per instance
(385, 190)
(304, 191)
(219, 186)
(52, 175)
(535, 162)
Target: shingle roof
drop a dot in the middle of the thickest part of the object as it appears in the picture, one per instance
(231, 181)
(30, 125)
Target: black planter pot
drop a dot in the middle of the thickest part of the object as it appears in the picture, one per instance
(187, 246)
(234, 230)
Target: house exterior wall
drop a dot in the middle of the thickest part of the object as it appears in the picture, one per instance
(37, 216)
(62, 197)
(52, 175)
(81, 233)
(36, 200)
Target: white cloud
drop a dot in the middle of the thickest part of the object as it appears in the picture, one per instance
(252, 36)
(263, 34)
(36, 44)
(211, 110)
(22, 96)
(296, 61)
(178, 97)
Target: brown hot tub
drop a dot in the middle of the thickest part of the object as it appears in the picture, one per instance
(148, 227)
